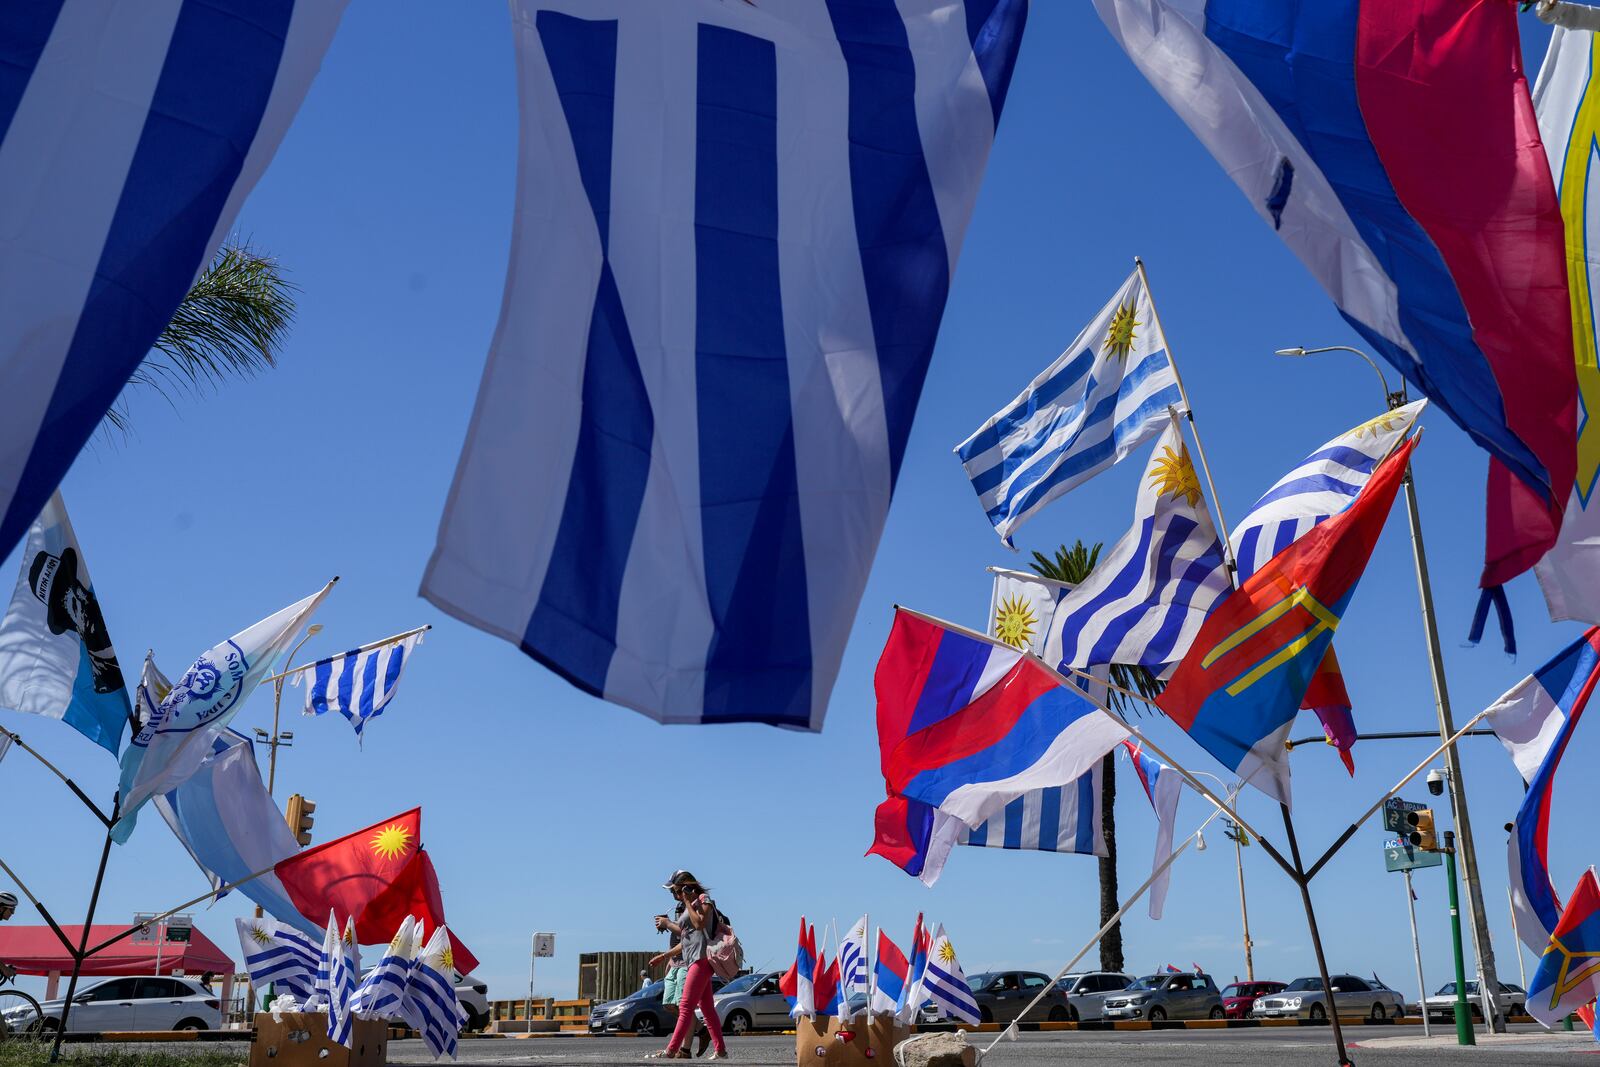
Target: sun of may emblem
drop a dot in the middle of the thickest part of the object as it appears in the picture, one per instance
(1382, 424)
(391, 841)
(260, 936)
(1174, 475)
(448, 958)
(1119, 337)
(1015, 623)
(947, 952)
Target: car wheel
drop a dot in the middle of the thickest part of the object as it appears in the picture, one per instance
(646, 1025)
(1058, 1014)
(1318, 1012)
(47, 1026)
(190, 1024)
(1378, 1014)
(986, 1015)
(1218, 1013)
(737, 1022)
(1072, 1014)
(1157, 1014)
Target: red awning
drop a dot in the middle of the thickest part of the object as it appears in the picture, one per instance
(36, 950)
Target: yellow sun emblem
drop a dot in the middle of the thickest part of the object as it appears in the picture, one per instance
(1119, 337)
(448, 957)
(1015, 622)
(260, 936)
(1173, 475)
(1382, 424)
(391, 841)
(349, 935)
(947, 952)
(394, 946)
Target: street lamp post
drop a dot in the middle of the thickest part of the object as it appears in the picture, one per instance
(281, 738)
(1236, 834)
(1478, 921)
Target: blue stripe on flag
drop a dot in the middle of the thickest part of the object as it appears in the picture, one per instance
(1344, 456)
(319, 686)
(1122, 585)
(904, 261)
(1310, 483)
(220, 67)
(980, 836)
(1027, 407)
(1013, 824)
(755, 554)
(369, 688)
(24, 31)
(1173, 538)
(1084, 817)
(1285, 535)
(1049, 820)
(1159, 648)
(347, 680)
(574, 626)
(991, 24)
(958, 666)
(1039, 725)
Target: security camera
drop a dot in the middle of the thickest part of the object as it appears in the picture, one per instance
(1436, 782)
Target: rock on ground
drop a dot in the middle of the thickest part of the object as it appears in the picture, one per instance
(937, 1050)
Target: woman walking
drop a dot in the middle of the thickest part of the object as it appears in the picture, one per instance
(697, 929)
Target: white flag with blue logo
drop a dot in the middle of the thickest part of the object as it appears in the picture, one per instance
(279, 955)
(1145, 599)
(130, 133)
(56, 657)
(1101, 398)
(945, 984)
(432, 993)
(357, 684)
(178, 737)
(736, 230)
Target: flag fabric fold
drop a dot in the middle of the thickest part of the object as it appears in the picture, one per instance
(382, 994)
(279, 955)
(431, 991)
(413, 892)
(1568, 975)
(357, 684)
(1107, 393)
(1162, 787)
(338, 973)
(890, 973)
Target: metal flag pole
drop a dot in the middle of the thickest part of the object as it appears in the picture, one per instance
(79, 955)
(1416, 951)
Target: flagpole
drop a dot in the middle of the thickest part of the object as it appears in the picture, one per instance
(17, 740)
(350, 652)
(79, 955)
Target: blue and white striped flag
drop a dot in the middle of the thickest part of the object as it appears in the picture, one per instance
(1323, 484)
(736, 229)
(338, 972)
(382, 994)
(432, 992)
(277, 954)
(1103, 396)
(853, 970)
(1061, 819)
(1145, 600)
(357, 684)
(945, 985)
(130, 132)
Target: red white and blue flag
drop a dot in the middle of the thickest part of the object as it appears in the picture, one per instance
(1534, 721)
(890, 976)
(1394, 148)
(1568, 976)
(799, 982)
(1162, 786)
(1237, 691)
(911, 998)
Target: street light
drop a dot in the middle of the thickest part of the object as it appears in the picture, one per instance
(1483, 948)
(281, 738)
(1237, 836)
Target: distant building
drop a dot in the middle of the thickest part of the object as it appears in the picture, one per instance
(614, 975)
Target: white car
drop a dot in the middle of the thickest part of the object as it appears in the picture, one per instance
(129, 1004)
(1511, 1001)
(1086, 993)
(1304, 998)
(474, 997)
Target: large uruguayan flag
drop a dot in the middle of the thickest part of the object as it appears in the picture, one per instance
(735, 233)
(1145, 601)
(1323, 484)
(357, 684)
(279, 955)
(945, 984)
(1103, 396)
(130, 132)
(56, 657)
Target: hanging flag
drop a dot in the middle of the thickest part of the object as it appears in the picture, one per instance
(1568, 975)
(890, 973)
(1101, 398)
(921, 942)
(1162, 787)
(278, 955)
(702, 385)
(357, 684)
(413, 892)
(1534, 721)
(432, 993)
(178, 736)
(1144, 602)
(382, 993)
(56, 658)
(1021, 607)
(152, 689)
(345, 874)
(1409, 178)
(1567, 99)
(224, 816)
(1060, 819)
(946, 985)
(126, 149)
(967, 724)
(853, 968)
(1237, 691)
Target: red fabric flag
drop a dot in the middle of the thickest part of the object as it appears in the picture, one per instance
(344, 875)
(414, 892)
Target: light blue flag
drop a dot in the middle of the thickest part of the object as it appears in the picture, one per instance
(1103, 396)
(179, 735)
(56, 657)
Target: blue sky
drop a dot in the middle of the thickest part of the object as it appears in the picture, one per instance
(390, 204)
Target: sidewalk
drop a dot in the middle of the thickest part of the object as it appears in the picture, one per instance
(1555, 1041)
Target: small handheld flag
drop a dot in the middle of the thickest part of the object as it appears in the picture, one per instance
(382, 993)
(946, 985)
(431, 992)
(890, 974)
(279, 955)
(1162, 786)
(853, 966)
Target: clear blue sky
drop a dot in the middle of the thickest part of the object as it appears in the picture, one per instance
(390, 204)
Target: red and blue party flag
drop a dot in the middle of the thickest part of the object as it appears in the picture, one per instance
(1569, 971)
(891, 974)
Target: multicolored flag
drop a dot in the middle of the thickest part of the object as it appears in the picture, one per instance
(828, 995)
(921, 944)
(1568, 976)
(1237, 691)
(702, 385)
(1162, 787)
(1408, 176)
(799, 983)
(946, 985)
(891, 972)
(1106, 394)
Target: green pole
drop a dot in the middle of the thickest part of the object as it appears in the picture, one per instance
(1464, 1034)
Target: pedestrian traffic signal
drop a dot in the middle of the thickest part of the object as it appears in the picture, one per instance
(1422, 833)
(300, 816)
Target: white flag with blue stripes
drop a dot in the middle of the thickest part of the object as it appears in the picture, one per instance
(279, 955)
(1061, 819)
(382, 994)
(1322, 485)
(432, 993)
(357, 684)
(130, 132)
(1103, 396)
(1145, 600)
(735, 235)
(945, 984)
(853, 970)
(338, 973)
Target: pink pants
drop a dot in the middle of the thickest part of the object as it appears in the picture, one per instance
(697, 994)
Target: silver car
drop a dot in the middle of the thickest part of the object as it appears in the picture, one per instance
(1511, 1001)
(753, 1002)
(1184, 995)
(1304, 998)
(154, 1003)
(1086, 993)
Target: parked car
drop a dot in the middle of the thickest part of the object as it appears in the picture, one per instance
(1002, 995)
(753, 1002)
(1086, 993)
(640, 1012)
(1240, 997)
(474, 997)
(1304, 998)
(1184, 995)
(139, 1003)
(1511, 1001)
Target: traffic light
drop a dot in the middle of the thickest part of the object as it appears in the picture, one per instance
(300, 816)
(1422, 834)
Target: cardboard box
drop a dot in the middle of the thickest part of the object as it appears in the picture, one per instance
(301, 1040)
(827, 1042)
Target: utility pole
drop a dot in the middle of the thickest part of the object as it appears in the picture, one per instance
(1237, 832)
(1416, 951)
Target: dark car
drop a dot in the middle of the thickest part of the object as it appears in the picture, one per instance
(1240, 997)
(1001, 996)
(641, 1012)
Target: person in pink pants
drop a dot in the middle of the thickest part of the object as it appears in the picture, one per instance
(698, 927)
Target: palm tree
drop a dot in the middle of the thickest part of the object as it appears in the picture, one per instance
(1073, 565)
(233, 321)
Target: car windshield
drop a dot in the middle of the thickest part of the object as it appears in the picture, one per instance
(1449, 989)
(1304, 985)
(979, 982)
(654, 989)
(1239, 989)
(1149, 981)
(741, 984)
